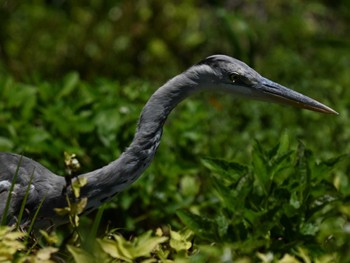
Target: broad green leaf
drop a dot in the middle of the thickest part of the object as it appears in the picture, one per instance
(309, 229)
(144, 248)
(14, 235)
(220, 165)
(45, 253)
(115, 249)
(189, 185)
(70, 82)
(180, 240)
(62, 211)
(261, 169)
(200, 225)
(284, 143)
(51, 238)
(80, 255)
(6, 143)
(10, 242)
(289, 259)
(273, 151)
(303, 253)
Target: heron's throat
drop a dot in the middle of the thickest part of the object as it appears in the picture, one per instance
(159, 106)
(154, 115)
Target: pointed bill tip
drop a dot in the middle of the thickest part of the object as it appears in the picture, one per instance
(320, 108)
(329, 110)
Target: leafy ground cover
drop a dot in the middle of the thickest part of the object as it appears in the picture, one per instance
(229, 198)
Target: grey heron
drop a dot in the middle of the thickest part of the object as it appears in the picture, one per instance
(215, 73)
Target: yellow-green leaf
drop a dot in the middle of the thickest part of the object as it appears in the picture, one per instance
(80, 255)
(45, 253)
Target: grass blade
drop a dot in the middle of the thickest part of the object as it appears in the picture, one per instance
(35, 215)
(24, 201)
(96, 224)
(8, 200)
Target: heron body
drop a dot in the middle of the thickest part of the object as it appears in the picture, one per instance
(215, 73)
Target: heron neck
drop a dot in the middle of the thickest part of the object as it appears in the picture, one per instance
(105, 182)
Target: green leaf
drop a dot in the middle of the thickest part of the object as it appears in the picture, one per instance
(6, 143)
(51, 238)
(200, 225)
(309, 229)
(141, 246)
(44, 254)
(294, 200)
(80, 255)
(116, 249)
(331, 162)
(144, 246)
(283, 144)
(181, 240)
(62, 211)
(70, 82)
(220, 165)
(77, 184)
(261, 169)
(222, 224)
(273, 152)
(189, 185)
(10, 242)
(228, 171)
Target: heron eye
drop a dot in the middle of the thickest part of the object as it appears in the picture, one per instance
(234, 77)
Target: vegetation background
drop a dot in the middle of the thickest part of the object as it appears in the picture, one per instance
(74, 76)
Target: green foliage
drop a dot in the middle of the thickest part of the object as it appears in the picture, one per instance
(280, 203)
(139, 39)
(76, 206)
(130, 251)
(9, 243)
(283, 201)
(147, 247)
(13, 249)
(282, 207)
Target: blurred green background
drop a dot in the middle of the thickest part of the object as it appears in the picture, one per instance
(154, 39)
(75, 75)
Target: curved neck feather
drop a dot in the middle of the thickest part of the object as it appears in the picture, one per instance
(105, 182)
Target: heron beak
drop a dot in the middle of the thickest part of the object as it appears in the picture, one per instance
(274, 92)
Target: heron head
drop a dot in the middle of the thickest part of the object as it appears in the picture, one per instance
(234, 76)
